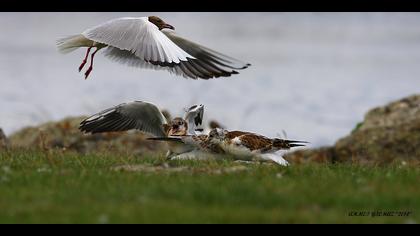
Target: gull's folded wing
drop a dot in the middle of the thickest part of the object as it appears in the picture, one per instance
(138, 115)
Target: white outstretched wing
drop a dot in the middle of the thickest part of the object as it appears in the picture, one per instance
(130, 59)
(138, 36)
(138, 115)
(201, 67)
(194, 117)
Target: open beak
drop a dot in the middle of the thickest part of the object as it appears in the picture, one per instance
(168, 26)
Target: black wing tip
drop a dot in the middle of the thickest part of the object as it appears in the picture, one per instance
(160, 138)
(88, 127)
(84, 130)
(246, 66)
(164, 139)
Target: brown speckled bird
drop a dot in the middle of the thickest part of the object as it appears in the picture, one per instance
(251, 146)
(241, 145)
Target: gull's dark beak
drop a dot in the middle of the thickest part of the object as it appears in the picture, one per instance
(168, 26)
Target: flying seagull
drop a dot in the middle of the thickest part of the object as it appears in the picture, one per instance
(146, 117)
(242, 145)
(149, 42)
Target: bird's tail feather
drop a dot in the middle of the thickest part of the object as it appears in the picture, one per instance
(70, 43)
(284, 143)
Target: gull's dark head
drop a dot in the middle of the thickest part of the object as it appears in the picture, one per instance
(217, 134)
(178, 126)
(160, 23)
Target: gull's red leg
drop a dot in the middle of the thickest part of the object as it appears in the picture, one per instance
(91, 63)
(84, 60)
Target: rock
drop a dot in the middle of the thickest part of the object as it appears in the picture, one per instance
(4, 142)
(65, 135)
(401, 112)
(387, 134)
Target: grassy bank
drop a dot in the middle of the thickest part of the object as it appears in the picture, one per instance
(56, 187)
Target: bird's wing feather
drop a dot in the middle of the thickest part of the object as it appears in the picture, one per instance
(186, 69)
(140, 37)
(138, 115)
(130, 59)
(205, 54)
(194, 117)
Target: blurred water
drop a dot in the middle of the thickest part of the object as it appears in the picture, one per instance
(313, 75)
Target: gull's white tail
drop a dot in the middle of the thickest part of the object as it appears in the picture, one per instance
(71, 43)
(276, 158)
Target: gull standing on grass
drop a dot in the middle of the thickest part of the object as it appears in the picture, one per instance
(149, 42)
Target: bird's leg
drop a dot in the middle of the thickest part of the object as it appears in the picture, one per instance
(91, 63)
(84, 60)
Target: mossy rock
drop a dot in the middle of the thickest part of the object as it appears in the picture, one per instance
(64, 134)
(387, 134)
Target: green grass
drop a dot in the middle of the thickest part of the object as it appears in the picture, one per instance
(55, 187)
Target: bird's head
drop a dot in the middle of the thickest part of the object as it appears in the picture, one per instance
(178, 127)
(217, 135)
(160, 23)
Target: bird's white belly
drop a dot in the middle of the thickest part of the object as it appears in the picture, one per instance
(195, 154)
(180, 148)
(240, 152)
